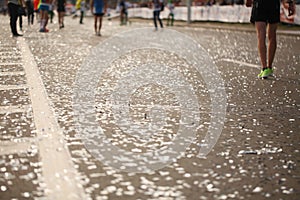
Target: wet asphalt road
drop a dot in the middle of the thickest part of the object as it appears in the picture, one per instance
(255, 157)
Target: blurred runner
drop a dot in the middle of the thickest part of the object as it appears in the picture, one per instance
(61, 12)
(81, 7)
(45, 6)
(123, 12)
(21, 13)
(82, 10)
(30, 11)
(157, 7)
(98, 8)
(50, 12)
(171, 14)
(13, 8)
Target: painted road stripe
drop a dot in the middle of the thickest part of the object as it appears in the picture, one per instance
(13, 87)
(9, 64)
(14, 109)
(10, 147)
(58, 170)
(5, 57)
(15, 73)
(240, 63)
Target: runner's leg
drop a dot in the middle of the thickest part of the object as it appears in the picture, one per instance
(261, 42)
(272, 43)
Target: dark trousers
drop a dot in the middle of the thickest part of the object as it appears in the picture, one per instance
(30, 13)
(20, 22)
(81, 17)
(13, 12)
(156, 16)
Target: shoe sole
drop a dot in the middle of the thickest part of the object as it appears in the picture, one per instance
(265, 77)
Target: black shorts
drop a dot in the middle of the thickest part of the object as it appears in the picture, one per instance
(61, 6)
(99, 14)
(265, 11)
(29, 7)
(61, 9)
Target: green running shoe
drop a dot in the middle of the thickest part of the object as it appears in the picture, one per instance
(265, 73)
(260, 74)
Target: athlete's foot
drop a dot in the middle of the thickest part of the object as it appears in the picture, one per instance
(265, 73)
(44, 30)
(17, 35)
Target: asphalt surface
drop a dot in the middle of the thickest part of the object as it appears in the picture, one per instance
(43, 154)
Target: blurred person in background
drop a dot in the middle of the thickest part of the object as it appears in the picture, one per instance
(13, 9)
(285, 16)
(171, 14)
(81, 6)
(45, 7)
(61, 12)
(21, 13)
(157, 8)
(82, 10)
(3, 7)
(51, 12)
(30, 11)
(123, 12)
(98, 9)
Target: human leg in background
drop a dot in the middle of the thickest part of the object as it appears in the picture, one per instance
(81, 17)
(95, 23)
(100, 25)
(21, 22)
(61, 19)
(155, 16)
(172, 21)
(160, 21)
(13, 12)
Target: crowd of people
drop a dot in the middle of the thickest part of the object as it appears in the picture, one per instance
(44, 10)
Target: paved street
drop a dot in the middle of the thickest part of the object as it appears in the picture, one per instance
(57, 143)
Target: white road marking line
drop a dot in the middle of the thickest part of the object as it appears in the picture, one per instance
(10, 147)
(5, 53)
(15, 73)
(9, 64)
(14, 109)
(240, 63)
(59, 173)
(8, 57)
(13, 87)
